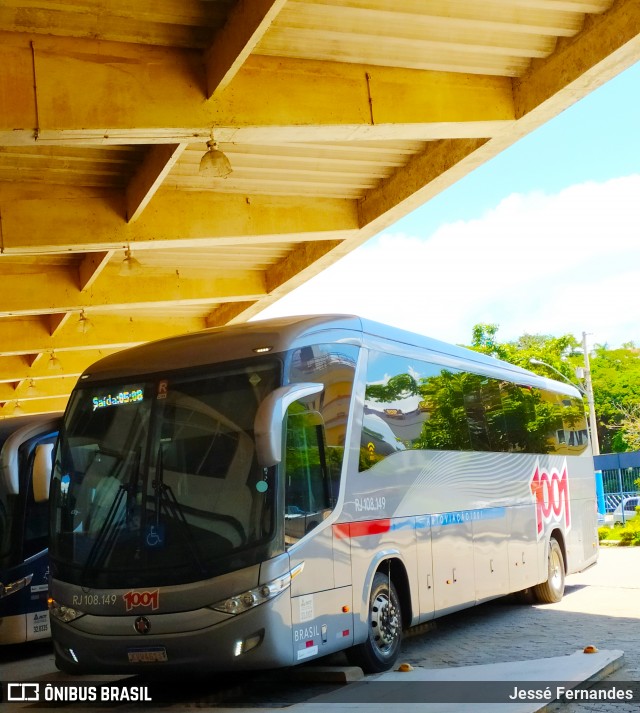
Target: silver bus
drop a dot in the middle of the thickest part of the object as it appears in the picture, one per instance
(265, 494)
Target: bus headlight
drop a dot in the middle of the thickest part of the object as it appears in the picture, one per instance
(254, 597)
(62, 612)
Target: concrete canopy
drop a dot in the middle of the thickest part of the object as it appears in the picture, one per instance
(338, 117)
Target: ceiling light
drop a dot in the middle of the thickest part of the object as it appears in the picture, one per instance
(84, 323)
(32, 391)
(214, 163)
(130, 266)
(18, 410)
(54, 363)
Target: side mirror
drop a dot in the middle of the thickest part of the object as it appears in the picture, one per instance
(42, 466)
(269, 418)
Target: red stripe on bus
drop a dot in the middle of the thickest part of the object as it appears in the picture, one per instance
(361, 529)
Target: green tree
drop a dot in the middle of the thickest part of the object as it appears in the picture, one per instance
(630, 427)
(563, 353)
(615, 375)
(484, 340)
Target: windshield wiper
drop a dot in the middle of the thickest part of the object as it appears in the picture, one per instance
(167, 501)
(105, 539)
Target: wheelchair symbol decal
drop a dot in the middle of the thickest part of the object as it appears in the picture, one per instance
(155, 536)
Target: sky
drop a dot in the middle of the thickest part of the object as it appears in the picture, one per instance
(542, 239)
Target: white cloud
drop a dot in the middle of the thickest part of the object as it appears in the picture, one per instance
(536, 263)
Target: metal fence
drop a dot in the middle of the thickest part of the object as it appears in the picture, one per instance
(620, 473)
(619, 484)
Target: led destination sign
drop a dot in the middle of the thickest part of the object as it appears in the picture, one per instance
(119, 399)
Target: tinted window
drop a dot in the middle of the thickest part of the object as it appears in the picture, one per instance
(157, 481)
(316, 432)
(332, 365)
(415, 404)
(308, 483)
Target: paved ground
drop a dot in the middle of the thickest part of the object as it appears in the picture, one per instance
(477, 689)
(601, 607)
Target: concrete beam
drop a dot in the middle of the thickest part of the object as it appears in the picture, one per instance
(246, 24)
(91, 92)
(28, 336)
(94, 220)
(20, 294)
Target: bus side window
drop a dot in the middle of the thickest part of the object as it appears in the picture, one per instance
(308, 491)
(410, 404)
(332, 365)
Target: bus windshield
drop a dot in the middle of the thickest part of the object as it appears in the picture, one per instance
(157, 480)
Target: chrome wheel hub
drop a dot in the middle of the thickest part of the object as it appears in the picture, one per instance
(555, 567)
(384, 622)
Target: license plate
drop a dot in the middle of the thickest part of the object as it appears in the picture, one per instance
(153, 654)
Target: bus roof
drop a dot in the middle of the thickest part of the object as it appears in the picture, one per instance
(241, 341)
(13, 433)
(12, 425)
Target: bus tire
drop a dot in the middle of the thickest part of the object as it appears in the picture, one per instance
(381, 649)
(552, 590)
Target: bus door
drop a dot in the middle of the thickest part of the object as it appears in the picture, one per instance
(523, 547)
(425, 567)
(453, 561)
(321, 596)
(490, 542)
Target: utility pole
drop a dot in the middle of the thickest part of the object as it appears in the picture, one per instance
(595, 443)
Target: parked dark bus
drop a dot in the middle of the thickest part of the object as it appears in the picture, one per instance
(26, 448)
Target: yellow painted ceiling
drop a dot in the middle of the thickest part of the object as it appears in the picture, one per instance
(338, 117)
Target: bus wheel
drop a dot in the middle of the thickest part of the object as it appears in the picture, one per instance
(381, 649)
(552, 590)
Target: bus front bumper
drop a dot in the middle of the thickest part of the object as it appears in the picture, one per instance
(256, 639)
